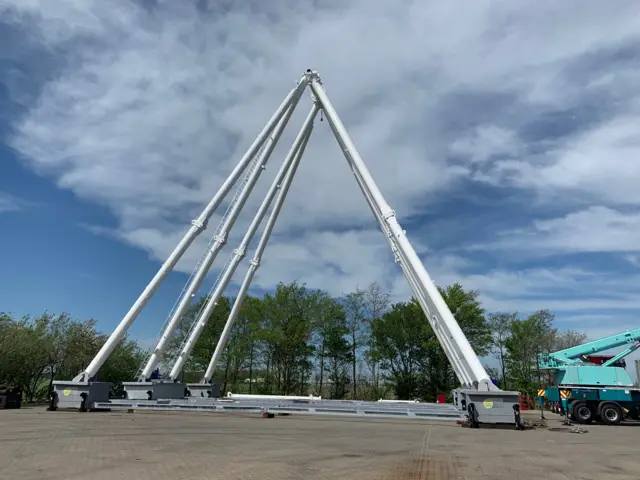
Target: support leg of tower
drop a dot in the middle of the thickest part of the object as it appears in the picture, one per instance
(483, 402)
(233, 261)
(293, 160)
(197, 226)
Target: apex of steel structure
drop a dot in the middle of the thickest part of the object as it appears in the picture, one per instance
(477, 399)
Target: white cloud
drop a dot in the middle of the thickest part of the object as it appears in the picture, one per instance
(327, 259)
(11, 203)
(601, 164)
(151, 108)
(594, 229)
(559, 289)
(487, 141)
(633, 259)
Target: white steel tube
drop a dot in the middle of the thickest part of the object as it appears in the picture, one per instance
(197, 226)
(202, 320)
(220, 241)
(382, 400)
(461, 371)
(460, 368)
(243, 396)
(404, 245)
(254, 264)
(457, 363)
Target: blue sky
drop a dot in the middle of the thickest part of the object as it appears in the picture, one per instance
(504, 135)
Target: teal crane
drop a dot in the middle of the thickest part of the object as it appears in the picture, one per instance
(573, 367)
(587, 386)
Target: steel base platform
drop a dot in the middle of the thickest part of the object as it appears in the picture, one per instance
(78, 395)
(154, 390)
(204, 390)
(496, 407)
(428, 411)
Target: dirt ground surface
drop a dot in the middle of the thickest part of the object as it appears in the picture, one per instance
(35, 444)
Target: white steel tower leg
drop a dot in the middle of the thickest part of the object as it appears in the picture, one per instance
(450, 351)
(458, 363)
(226, 276)
(442, 313)
(220, 241)
(197, 226)
(255, 263)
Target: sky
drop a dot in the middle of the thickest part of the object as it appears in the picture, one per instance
(504, 135)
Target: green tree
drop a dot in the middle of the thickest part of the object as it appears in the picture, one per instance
(251, 317)
(500, 324)
(529, 337)
(376, 303)
(287, 333)
(439, 376)
(204, 347)
(567, 339)
(71, 344)
(122, 364)
(206, 343)
(408, 348)
(278, 340)
(467, 309)
(337, 350)
(328, 318)
(354, 306)
(401, 337)
(24, 357)
(36, 351)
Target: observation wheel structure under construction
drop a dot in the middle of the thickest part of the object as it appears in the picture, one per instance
(477, 399)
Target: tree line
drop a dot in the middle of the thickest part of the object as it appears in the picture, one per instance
(35, 351)
(299, 341)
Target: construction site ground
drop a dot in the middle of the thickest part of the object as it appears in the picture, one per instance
(36, 444)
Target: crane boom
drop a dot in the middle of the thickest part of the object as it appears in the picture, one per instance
(574, 355)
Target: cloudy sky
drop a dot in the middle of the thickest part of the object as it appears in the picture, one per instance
(505, 135)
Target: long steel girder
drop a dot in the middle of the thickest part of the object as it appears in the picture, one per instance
(463, 359)
(344, 408)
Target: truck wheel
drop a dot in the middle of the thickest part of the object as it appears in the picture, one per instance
(611, 413)
(582, 413)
